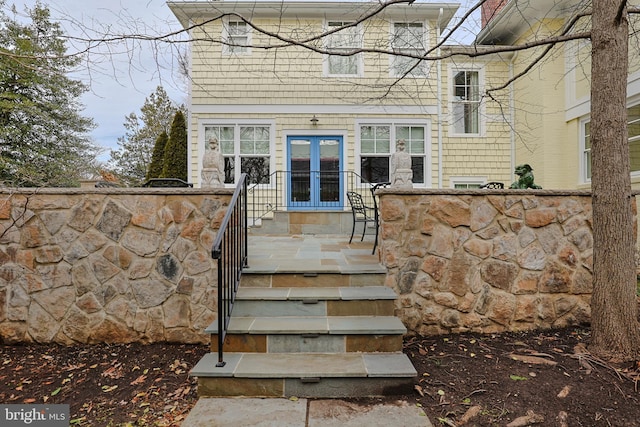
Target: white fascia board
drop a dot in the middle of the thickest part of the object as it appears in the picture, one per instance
(311, 109)
(187, 10)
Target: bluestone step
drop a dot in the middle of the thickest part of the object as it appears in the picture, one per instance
(367, 325)
(340, 301)
(304, 375)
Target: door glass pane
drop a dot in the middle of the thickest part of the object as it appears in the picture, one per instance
(300, 171)
(329, 170)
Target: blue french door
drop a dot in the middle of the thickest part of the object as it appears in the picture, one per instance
(315, 180)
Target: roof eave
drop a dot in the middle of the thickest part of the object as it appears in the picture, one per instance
(186, 10)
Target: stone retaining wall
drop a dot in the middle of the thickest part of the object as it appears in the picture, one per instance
(488, 260)
(86, 266)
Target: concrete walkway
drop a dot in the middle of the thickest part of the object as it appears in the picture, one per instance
(255, 412)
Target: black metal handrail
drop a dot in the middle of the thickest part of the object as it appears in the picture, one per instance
(273, 191)
(230, 248)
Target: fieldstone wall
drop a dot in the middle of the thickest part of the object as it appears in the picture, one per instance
(488, 260)
(108, 265)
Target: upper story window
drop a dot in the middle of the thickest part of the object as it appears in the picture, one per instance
(633, 128)
(465, 105)
(376, 148)
(408, 38)
(246, 148)
(343, 41)
(237, 38)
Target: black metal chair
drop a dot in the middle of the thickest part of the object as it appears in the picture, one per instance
(166, 182)
(361, 213)
(493, 185)
(365, 214)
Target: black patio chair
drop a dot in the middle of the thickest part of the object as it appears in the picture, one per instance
(493, 185)
(365, 214)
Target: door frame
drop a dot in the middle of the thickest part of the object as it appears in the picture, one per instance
(314, 134)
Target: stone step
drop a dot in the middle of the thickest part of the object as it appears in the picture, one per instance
(322, 325)
(308, 343)
(311, 334)
(341, 301)
(306, 222)
(304, 375)
(305, 277)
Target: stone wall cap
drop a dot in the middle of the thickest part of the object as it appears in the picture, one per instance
(119, 191)
(481, 191)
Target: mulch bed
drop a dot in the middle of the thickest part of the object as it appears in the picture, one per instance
(513, 379)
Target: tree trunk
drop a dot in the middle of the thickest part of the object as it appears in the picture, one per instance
(614, 327)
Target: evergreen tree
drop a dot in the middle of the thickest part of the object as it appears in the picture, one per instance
(175, 152)
(44, 138)
(157, 158)
(132, 160)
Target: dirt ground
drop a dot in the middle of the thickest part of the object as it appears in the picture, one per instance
(517, 379)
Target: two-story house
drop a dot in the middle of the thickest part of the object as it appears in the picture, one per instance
(306, 92)
(552, 98)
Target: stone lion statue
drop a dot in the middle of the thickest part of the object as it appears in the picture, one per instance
(525, 178)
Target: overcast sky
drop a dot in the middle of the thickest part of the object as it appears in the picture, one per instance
(121, 76)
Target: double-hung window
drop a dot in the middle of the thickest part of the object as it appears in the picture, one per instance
(245, 148)
(408, 38)
(376, 147)
(343, 43)
(237, 37)
(466, 102)
(633, 128)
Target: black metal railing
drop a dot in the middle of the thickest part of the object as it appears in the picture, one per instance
(291, 190)
(230, 248)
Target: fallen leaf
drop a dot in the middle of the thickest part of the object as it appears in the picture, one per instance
(471, 413)
(564, 392)
(534, 360)
(30, 400)
(526, 420)
(562, 419)
(141, 379)
(56, 391)
(518, 378)
(108, 389)
(447, 421)
(419, 390)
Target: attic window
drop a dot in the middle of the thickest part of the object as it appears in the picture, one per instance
(408, 38)
(237, 37)
(342, 42)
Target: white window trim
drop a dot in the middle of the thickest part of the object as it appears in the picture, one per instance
(359, 57)
(425, 42)
(271, 124)
(453, 180)
(452, 69)
(583, 161)
(632, 102)
(226, 49)
(392, 124)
